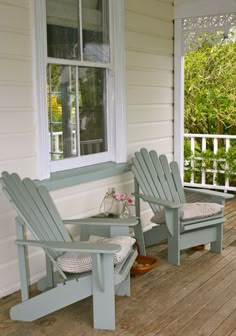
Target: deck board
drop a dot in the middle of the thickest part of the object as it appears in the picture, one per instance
(197, 298)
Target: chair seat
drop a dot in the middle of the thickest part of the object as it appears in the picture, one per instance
(77, 262)
(190, 211)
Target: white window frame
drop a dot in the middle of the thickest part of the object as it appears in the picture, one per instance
(116, 127)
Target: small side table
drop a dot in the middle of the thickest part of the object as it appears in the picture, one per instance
(123, 229)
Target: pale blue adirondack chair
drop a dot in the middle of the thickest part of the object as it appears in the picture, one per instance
(162, 188)
(36, 211)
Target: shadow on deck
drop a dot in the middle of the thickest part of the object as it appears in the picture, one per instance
(196, 298)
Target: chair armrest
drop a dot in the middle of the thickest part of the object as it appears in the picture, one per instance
(155, 200)
(210, 193)
(85, 247)
(131, 221)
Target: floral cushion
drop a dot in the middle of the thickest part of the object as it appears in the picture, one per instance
(77, 262)
(190, 211)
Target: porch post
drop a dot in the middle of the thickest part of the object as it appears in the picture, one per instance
(178, 95)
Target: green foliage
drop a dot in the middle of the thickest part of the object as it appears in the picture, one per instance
(210, 77)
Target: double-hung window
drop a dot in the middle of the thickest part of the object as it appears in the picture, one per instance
(80, 90)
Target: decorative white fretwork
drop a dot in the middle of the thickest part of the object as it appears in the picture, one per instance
(213, 29)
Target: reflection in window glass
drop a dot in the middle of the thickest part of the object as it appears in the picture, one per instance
(76, 111)
(62, 111)
(92, 93)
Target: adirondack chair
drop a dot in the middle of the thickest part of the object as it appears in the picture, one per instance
(162, 188)
(36, 211)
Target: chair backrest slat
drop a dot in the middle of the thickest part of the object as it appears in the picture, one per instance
(51, 221)
(46, 198)
(154, 176)
(161, 175)
(169, 178)
(38, 218)
(146, 178)
(177, 180)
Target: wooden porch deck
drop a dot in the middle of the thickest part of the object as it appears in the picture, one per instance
(196, 298)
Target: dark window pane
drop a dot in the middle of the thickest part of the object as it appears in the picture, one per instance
(95, 24)
(63, 37)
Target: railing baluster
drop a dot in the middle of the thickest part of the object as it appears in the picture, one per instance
(227, 147)
(203, 162)
(57, 146)
(215, 149)
(192, 160)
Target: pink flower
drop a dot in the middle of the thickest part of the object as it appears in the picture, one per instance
(123, 198)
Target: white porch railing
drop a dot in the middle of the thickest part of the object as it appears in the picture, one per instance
(86, 146)
(208, 142)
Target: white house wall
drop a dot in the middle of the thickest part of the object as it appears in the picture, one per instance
(149, 74)
(149, 96)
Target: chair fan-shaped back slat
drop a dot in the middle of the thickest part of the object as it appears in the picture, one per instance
(177, 180)
(142, 181)
(161, 175)
(169, 178)
(152, 191)
(159, 191)
(47, 200)
(51, 220)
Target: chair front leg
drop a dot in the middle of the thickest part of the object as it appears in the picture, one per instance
(103, 291)
(23, 264)
(172, 220)
(216, 246)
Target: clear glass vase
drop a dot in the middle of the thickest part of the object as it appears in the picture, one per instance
(125, 211)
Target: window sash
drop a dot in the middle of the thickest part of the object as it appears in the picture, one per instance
(116, 126)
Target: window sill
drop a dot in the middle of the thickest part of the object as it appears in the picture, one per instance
(68, 178)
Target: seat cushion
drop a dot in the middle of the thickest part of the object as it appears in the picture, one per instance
(191, 211)
(77, 262)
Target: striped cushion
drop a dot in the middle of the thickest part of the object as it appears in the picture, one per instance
(77, 262)
(190, 211)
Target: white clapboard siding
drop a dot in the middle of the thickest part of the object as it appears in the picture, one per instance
(150, 131)
(16, 145)
(15, 70)
(144, 24)
(148, 61)
(15, 43)
(150, 43)
(144, 77)
(16, 95)
(25, 166)
(16, 121)
(149, 95)
(9, 279)
(149, 75)
(162, 146)
(15, 17)
(8, 228)
(145, 113)
(151, 8)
